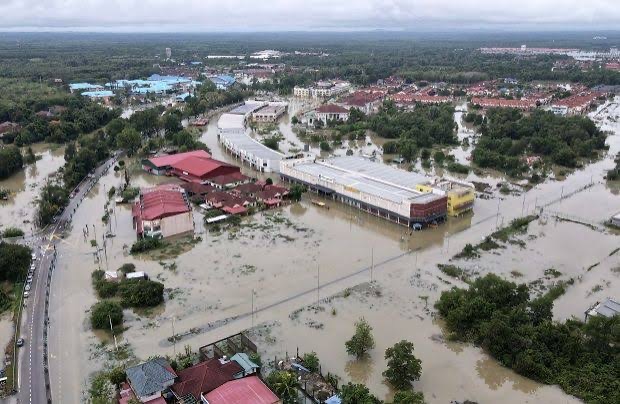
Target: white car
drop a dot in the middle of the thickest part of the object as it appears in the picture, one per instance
(33, 267)
(27, 288)
(26, 294)
(34, 256)
(29, 279)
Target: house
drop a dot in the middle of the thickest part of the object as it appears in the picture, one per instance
(331, 112)
(248, 189)
(197, 189)
(162, 165)
(249, 367)
(248, 390)
(197, 169)
(366, 101)
(162, 211)
(149, 379)
(227, 181)
(204, 377)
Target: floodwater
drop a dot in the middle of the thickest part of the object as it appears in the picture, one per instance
(25, 186)
(274, 262)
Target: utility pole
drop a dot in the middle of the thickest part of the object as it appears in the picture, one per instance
(497, 216)
(523, 205)
(112, 330)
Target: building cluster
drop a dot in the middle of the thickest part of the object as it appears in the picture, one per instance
(165, 210)
(216, 380)
(575, 104)
(400, 196)
(322, 89)
(425, 95)
(368, 100)
(232, 134)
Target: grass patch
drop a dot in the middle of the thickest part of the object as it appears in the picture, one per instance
(454, 272)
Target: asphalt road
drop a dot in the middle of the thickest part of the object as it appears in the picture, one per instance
(32, 369)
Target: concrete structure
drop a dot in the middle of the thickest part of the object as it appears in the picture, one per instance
(232, 135)
(79, 87)
(461, 195)
(149, 379)
(376, 188)
(269, 113)
(255, 154)
(162, 211)
(322, 89)
(330, 112)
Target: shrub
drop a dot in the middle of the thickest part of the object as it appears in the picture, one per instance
(141, 293)
(12, 232)
(146, 244)
(311, 361)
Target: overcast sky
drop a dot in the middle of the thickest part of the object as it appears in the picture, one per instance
(300, 15)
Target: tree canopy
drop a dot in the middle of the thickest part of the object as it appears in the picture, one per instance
(362, 341)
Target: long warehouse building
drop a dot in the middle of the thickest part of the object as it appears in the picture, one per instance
(376, 188)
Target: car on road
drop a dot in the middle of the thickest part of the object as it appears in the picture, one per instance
(34, 256)
(26, 295)
(33, 266)
(29, 279)
(20, 342)
(27, 288)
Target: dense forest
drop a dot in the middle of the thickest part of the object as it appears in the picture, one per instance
(11, 161)
(501, 317)
(507, 135)
(359, 57)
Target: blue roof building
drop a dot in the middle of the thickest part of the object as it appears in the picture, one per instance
(98, 94)
(222, 82)
(84, 87)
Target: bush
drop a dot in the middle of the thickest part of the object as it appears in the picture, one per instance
(145, 244)
(127, 268)
(324, 146)
(104, 288)
(103, 312)
(458, 168)
(12, 232)
(141, 293)
(14, 261)
(311, 361)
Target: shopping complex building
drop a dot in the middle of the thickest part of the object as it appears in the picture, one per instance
(400, 196)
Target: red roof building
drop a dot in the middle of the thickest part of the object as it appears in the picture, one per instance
(198, 169)
(248, 390)
(504, 103)
(204, 377)
(162, 211)
(162, 164)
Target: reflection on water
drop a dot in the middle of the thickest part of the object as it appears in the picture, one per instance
(495, 376)
(359, 370)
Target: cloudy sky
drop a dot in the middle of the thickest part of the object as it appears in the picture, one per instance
(299, 15)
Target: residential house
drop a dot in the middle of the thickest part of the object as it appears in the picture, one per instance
(195, 382)
(149, 379)
(228, 181)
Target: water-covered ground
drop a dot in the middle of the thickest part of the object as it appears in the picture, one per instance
(281, 257)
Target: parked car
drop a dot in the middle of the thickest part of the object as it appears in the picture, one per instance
(34, 256)
(33, 267)
(20, 342)
(29, 279)
(26, 295)
(27, 288)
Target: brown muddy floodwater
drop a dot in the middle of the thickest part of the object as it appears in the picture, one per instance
(281, 256)
(26, 185)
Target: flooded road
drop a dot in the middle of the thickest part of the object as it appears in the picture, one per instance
(282, 256)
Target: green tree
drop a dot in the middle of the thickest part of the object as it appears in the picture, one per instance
(402, 365)
(117, 375)
(362, 341)
(408, 397)
(103, 312)
(11, 161)
(357, 394)
(284, 384)
(296, 191)
(14, 261)
(130, 140)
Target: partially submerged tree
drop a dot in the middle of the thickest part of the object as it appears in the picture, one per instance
(403, 366)
(362, 341)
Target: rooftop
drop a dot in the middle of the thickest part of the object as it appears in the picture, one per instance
(198, 166)
(205, 377)
(607, 308)
(331, 109)
(247, 108)
(159, 202)
(248, 390)
(251, 146)
(168, 160)
(150, 377)
(231, 121)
